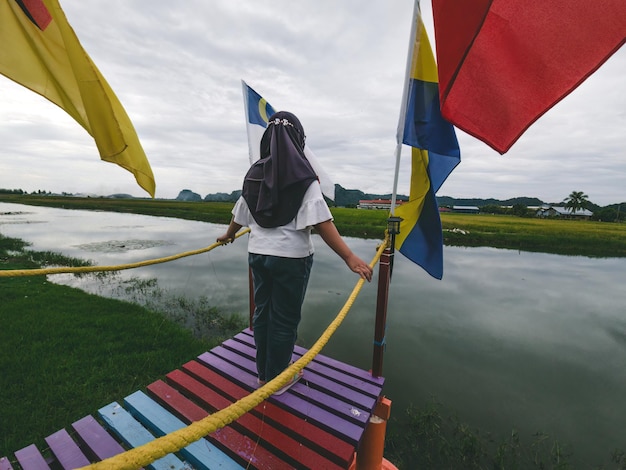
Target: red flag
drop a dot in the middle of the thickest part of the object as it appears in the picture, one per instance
(504, 63)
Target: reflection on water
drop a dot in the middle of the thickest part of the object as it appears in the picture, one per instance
(507, 339)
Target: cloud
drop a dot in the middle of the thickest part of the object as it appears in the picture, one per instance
(339, 66)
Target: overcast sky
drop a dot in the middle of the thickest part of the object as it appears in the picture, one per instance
(339, 66)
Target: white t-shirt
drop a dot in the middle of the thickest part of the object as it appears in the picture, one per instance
(292, 240)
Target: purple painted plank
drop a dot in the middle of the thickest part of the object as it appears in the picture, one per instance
(324, 419)
(243, 376)
(5, 464)
(336, 382)
(314, 389)
(96, 438)
(349, 380)
(31, 459)
(350, 404)
(66, 450)
(245, 349)
(246, 336)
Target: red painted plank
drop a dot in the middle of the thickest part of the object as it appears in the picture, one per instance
(301, 455)
(31, 459)
(303, 429)
(5, 464)
(96, 439)
(66, 450)
(227, 438)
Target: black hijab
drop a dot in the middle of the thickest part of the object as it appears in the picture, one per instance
(275, 185)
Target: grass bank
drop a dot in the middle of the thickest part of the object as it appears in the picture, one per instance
(557, 236)
(65, 353)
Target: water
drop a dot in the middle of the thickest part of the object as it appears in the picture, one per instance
(506, 340)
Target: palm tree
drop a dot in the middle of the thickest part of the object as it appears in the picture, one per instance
(576, 201)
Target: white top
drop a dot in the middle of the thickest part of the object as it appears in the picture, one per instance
(289, 241)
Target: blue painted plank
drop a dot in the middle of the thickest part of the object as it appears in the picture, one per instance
(66, 450)
(201, 454)
(5, 464)
(130, 431)
(31, 459)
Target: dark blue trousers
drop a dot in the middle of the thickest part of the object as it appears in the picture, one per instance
(279, 288)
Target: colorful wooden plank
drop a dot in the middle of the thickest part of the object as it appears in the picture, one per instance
(316, 424)
(201, 454)
(342, 382)
(354, 406)
(5, 464)
(131, 432)
(326, 387)
(245, 448)
(304, 429)
(247, 336)
(323, 418)
(66, 451)
(96, 439)
(30, 458)
(282, 443)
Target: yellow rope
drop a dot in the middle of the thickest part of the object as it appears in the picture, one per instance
(91, 269)
(173, 442)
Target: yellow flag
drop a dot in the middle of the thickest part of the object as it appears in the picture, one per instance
(40, 50)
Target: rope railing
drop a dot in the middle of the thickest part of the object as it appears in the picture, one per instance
(177, 440)
(120, 267)
(150, 452)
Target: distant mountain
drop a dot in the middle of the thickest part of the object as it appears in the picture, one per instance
(188, 196)
(351, 197)
(223, 197)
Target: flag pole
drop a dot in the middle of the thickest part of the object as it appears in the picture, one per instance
(403, 105)
(244, 89)
(393, 223)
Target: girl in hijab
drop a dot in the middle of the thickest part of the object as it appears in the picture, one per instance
(281, 203)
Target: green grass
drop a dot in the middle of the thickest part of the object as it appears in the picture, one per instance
(558, 236)
(65, 353)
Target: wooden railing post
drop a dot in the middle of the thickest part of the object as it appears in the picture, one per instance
(380, 326)
(385, 270)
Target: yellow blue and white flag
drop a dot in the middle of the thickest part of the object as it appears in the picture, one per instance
(435, 153)
(258, 112)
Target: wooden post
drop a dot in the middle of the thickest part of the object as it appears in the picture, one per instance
(384, 278)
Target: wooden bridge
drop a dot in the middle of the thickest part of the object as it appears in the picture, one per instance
(317, 424)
